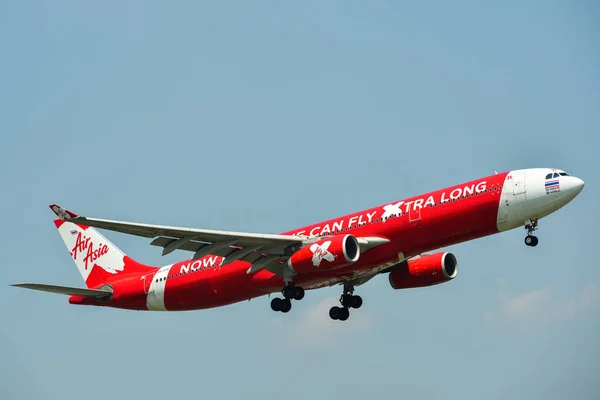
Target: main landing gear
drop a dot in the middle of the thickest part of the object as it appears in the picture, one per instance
(531, 226)
(347, 300)
(289, 292)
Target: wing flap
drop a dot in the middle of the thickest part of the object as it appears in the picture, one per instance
(262, 250)
(94, 293)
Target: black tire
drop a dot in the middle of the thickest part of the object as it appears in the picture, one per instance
(347, 300)
(289, 292)
(286, 306)
(535, 241)
(357, 302)
(299, 294)
(334, 312)
(276, 304)
(344, 314)
(529, 240)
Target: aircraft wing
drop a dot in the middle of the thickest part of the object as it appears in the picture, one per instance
(98, 294)
(264, 251)
(233, 245)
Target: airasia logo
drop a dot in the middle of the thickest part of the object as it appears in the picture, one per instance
(321, 252)
(83, 244)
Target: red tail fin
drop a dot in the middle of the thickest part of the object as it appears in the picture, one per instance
(98, 260)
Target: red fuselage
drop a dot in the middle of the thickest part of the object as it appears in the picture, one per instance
(415, 225)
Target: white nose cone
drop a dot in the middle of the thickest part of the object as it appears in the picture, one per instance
(577, 185)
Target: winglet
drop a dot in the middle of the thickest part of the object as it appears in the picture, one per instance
(62, 213)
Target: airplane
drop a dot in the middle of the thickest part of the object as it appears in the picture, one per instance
(398, 239)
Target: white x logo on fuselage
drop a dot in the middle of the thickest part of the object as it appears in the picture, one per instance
(321, 252)
(391, 209)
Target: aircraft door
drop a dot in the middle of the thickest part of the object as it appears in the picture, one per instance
(414, 215)
(519, 183)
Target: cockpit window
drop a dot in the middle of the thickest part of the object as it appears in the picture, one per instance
(555, 175)
(549, 176)
(563, 174)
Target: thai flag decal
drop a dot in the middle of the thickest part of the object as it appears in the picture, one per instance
(552, 185)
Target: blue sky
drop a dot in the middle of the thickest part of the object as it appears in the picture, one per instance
(266, 116)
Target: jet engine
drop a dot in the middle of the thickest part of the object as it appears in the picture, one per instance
(431, 269)
(326, 254)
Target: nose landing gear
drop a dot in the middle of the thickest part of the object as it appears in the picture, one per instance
(531, 240)
(531, 225)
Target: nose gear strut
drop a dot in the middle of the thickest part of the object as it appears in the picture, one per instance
(531, 225)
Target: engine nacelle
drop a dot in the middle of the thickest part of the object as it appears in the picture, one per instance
(427, 270)
(326, 254)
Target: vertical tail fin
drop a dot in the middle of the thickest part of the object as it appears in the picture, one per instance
(97, 259)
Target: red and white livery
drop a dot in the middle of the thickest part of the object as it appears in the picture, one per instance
(227, 267)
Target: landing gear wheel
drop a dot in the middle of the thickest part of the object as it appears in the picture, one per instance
(299, 294)
(531, 225)
(286, 305)
(334, 312)
(531, 240)
(357, 302)
(293, 292)
(347, 300)
(351, 301)
(344, 314)
(276, 304)
(289, 291)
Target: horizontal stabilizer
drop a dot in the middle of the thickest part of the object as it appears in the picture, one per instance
(94, 293)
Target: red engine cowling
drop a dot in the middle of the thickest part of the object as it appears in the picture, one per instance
(427, 270)
(326, 254)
